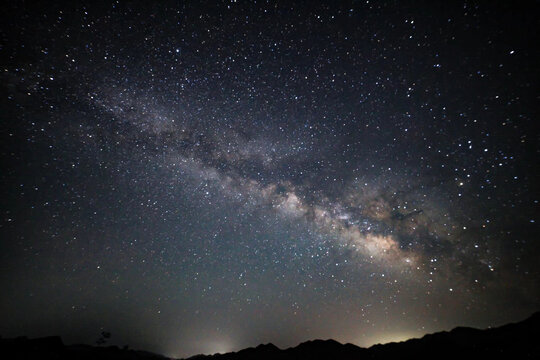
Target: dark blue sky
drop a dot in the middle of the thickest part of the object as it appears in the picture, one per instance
(199, 177)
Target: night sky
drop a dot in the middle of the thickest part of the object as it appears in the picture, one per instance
(203, 177)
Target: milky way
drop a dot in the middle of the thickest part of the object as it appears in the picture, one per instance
(203, 177)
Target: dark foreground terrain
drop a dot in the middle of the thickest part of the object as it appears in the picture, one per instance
(518, 341)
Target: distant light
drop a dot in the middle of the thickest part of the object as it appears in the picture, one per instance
(218, 346)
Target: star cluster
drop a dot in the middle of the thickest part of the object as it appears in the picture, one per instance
(199, 177)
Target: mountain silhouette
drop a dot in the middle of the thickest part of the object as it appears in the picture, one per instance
(516, 340)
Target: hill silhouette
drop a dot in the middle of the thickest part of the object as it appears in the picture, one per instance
(516, 340)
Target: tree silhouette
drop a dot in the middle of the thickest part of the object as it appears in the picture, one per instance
(105, 335)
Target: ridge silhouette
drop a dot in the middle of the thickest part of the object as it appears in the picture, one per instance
(514, 340)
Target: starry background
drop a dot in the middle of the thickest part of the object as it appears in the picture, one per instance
(200, 177)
